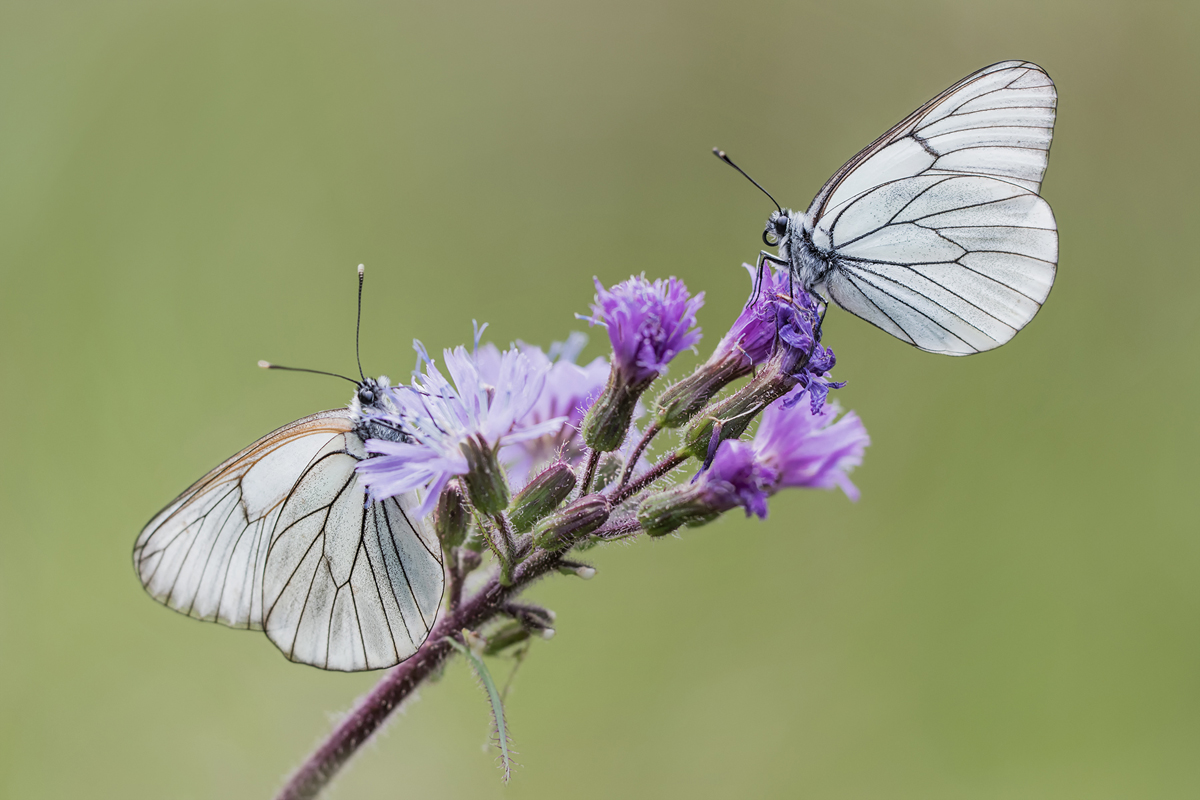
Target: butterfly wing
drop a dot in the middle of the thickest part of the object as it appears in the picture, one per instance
(996, 122)
(952, 264)
(211, 553)
(203, 554)
(349, 586)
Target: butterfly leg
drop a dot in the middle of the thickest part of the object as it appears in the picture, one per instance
(821, 319)
(763, 258)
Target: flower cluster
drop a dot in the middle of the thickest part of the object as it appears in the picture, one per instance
(488, 422)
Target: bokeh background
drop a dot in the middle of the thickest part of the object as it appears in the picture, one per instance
(1011, 610)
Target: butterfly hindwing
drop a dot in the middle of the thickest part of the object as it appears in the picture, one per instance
(236, 546)
(349, 586)
(952, 264)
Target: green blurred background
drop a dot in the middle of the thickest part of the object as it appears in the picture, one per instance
(1011, 610)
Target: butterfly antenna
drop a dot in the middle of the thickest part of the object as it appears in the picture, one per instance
(719, 153)
(269, 365)
(358, 321)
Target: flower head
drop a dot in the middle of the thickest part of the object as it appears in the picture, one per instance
(451, 426)
(648, 324)
(799, 357)
(807, 448)
(751, 339)
(737, 477)
(568, 392)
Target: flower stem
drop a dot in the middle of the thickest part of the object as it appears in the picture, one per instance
(648, 477)
(650, 433)
(589, 472)
(398, 684)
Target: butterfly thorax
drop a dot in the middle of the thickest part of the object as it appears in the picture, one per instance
(801, 247)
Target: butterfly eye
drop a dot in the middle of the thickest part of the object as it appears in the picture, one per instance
(366, 396)
(781, 225)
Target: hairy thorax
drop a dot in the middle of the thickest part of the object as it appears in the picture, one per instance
(802, 248)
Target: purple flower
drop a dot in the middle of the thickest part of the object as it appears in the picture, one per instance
(752, 337)
(648, 324)
(568, 392)
(807, 448)
(800, 357)
(738, 477)
(485, 407)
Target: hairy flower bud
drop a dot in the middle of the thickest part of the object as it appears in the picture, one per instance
(607, 471)
(608, 420)
(486, 483)
(729, 418)
(541, 496)
(680, 402)
(660, 514)
(581, 517)
(509, 635)
(735, 478)
(452, 518)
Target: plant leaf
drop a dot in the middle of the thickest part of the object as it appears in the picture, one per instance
(499, 728)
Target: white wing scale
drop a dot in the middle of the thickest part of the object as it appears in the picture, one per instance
(288, 513)
(935, 232)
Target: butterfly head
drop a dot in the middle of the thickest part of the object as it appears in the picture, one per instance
(371, 394)
(776, 228)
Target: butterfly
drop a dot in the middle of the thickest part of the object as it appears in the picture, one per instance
(281, 538)
(935, 231)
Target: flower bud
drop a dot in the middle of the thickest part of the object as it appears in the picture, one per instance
(563, 527)
(541, 496)
(452, 519)
(608, 420)
(582, 571)
(729, 418)
(607, 471)
(509, 635)
(680, 402)
(486, 483)
(660, 514)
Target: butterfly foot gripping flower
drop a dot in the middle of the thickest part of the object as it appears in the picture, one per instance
(649, 323)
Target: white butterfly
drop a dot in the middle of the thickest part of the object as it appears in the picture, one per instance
(280, 538)
(935, 232)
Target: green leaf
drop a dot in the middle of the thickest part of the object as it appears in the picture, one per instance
(499, 728)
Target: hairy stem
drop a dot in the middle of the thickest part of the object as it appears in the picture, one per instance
(589, 472)
(646, 478)
(398, 685)
(650, 433)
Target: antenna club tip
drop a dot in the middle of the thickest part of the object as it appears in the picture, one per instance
(718, 152)
(362, 268)
(264, 364)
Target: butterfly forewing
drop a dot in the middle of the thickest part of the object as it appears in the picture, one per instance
(996, 122)
(281, 537)
(204, 553)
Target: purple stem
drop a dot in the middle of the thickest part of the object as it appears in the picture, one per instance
(397, 685)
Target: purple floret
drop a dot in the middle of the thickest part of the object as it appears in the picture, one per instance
(809, 448)
(648, 324)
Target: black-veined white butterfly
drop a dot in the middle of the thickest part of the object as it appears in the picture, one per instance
(935, 231)
(280, 538)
